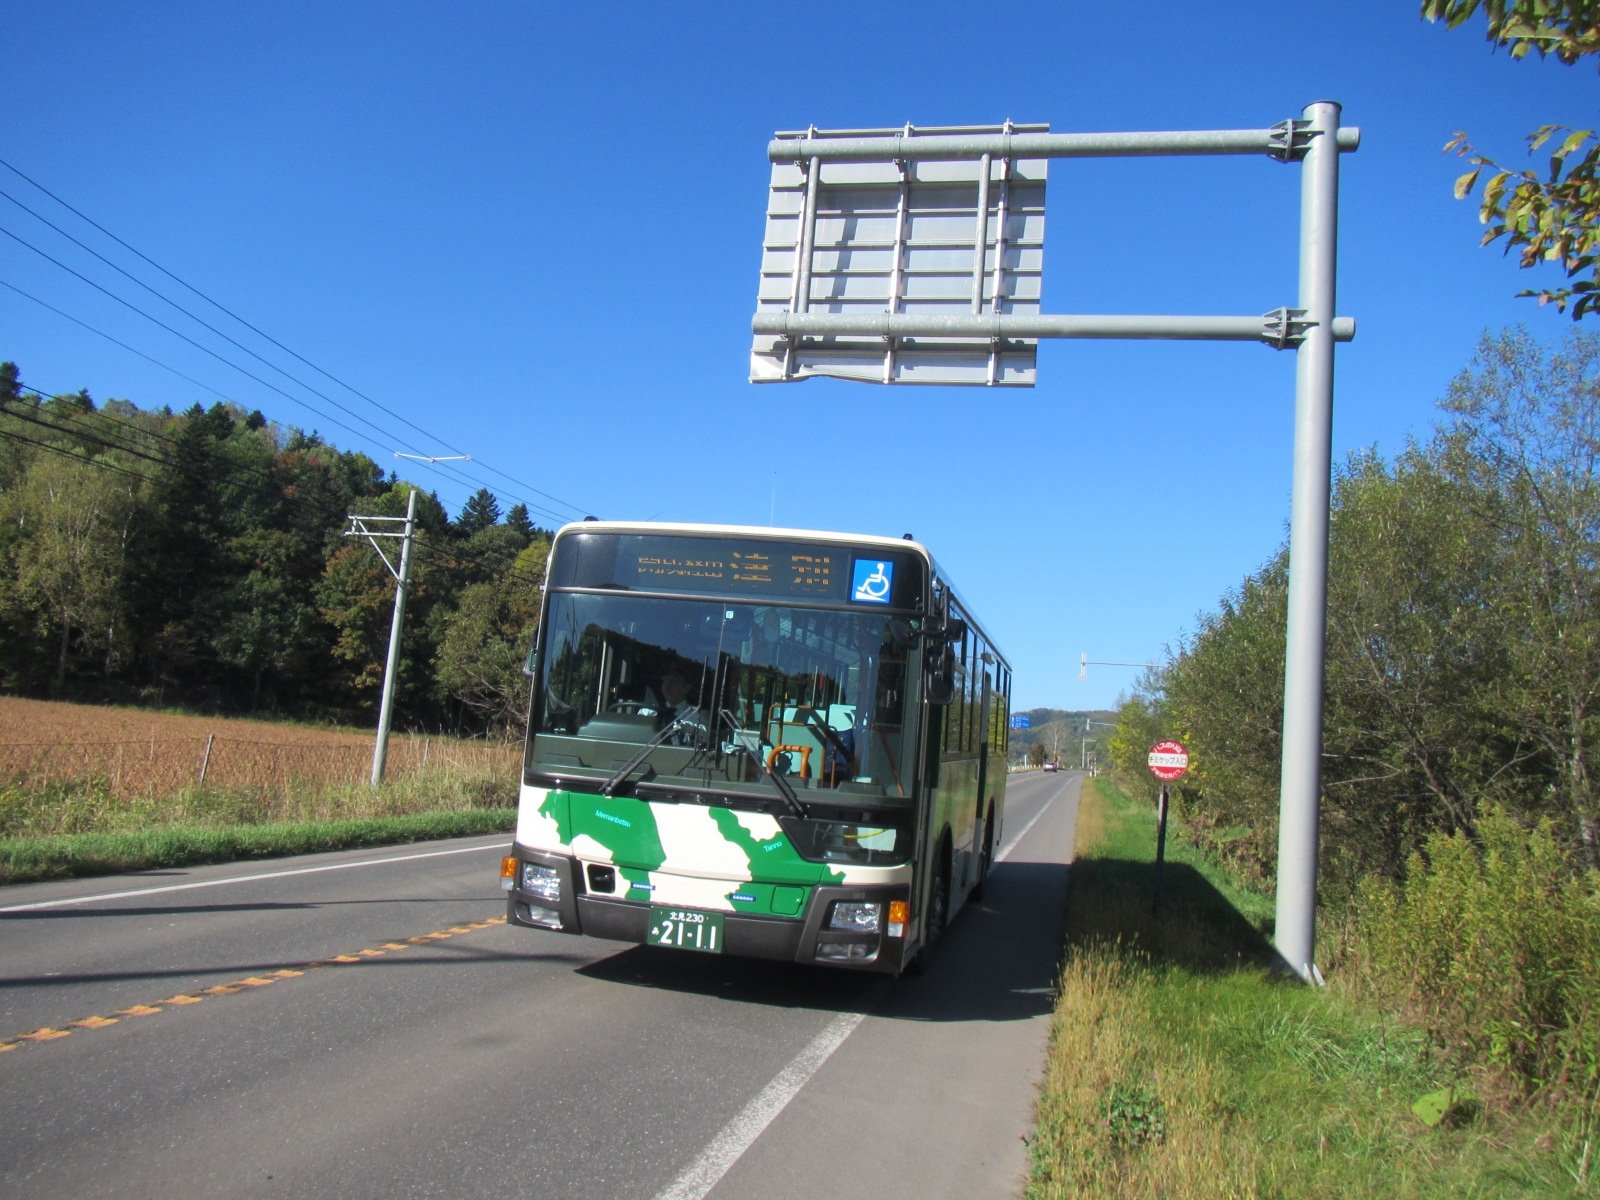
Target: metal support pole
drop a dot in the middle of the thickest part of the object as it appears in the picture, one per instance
(1281, 328)
(1301, 779)
(1161, 852)
(380, 751)
(980, 236)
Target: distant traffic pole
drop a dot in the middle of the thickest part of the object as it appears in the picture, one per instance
(1300, 783)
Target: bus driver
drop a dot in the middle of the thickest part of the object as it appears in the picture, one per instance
(676, 706)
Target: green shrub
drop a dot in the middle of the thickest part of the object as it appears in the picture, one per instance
(1495, 945)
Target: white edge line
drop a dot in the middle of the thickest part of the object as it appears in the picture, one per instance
(738, 1134)
(184, 887)
(1005, 851)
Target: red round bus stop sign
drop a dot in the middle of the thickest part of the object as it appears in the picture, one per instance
(1168, 760)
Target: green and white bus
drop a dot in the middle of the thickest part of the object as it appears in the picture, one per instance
(772, 743)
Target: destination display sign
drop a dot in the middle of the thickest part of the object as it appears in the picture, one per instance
(736, 566)
(746, 569)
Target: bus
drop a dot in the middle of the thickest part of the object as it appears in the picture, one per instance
(778, 744)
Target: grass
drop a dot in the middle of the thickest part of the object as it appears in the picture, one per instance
(26, 859)
(1183, 1063)
(82, 829)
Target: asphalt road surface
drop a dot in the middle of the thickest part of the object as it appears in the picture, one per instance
(365, 1024)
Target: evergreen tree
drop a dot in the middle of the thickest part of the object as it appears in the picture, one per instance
(480, 512)
(519, 520)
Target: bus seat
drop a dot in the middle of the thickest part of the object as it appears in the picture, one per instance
(797, 734)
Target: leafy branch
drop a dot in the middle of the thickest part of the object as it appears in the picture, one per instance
(1568, 29)
(1554, 219)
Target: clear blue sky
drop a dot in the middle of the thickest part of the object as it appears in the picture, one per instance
(532, 231)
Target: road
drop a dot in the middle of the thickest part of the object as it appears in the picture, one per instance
(364, 1024)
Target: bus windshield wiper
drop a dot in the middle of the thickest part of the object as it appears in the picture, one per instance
(610, 786)
(778, 781)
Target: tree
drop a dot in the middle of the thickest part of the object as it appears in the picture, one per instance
(71, 562)
(480, 512)
(517, 518)
(1556, 218)
(267, 621)
(486, 640)
(1526, 438)
(1463, 650)
(482, 652)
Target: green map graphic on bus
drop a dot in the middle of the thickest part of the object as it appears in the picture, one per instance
(702, 857)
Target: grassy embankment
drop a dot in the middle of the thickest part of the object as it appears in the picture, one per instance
(202, 825)
(74, 805)
(1181, 1065)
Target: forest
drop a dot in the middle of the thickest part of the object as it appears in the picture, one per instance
(202, 560)
(1463, 647)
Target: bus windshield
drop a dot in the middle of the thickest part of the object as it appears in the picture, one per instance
(757, 701)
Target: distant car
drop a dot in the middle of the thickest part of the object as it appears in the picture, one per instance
(1049, 766)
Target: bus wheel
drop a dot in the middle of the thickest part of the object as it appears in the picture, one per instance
(987, 859)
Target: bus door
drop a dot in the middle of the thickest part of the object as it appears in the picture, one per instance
(924, 768)
(983, 758)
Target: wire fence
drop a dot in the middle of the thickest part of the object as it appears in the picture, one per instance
(157, 766)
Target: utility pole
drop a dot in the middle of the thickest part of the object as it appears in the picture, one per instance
(359, 527)
(1088, 728)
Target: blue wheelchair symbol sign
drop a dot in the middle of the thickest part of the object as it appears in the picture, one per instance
(871, 581)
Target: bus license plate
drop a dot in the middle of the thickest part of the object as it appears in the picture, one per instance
(685, 929)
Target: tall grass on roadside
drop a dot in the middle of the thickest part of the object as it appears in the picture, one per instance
(1494, 946)
(1182, 1064)
(26, 859)
(80, 828)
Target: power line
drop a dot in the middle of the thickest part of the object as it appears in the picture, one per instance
(178, 334)
(253, 328)
(267, 487)
(440, 555)
(557, 517)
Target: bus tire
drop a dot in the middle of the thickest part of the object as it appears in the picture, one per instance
(985, 860)
(938, 913)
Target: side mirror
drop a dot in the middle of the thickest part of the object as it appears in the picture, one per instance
(944, 632)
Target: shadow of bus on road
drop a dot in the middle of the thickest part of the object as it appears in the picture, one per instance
(998, 961)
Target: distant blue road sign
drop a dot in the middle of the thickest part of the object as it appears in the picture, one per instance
(1020, 721)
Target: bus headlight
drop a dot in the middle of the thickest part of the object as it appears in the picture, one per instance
(541, 881)
(537, 914)
(850, 916)
(846, 952)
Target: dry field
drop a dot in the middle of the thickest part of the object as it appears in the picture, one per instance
(143, 754)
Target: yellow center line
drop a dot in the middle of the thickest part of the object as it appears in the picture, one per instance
(52, 1033)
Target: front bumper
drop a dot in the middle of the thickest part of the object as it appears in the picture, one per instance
(802, 939)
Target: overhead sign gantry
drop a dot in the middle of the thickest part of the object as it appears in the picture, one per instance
(916, 256)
